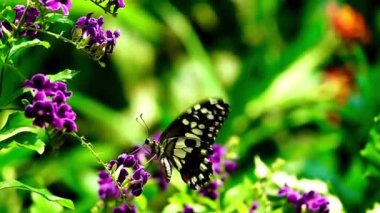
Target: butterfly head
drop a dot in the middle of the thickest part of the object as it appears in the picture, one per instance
(154, 145)
(149, 142)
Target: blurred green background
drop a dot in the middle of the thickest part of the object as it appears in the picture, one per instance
(297, 91)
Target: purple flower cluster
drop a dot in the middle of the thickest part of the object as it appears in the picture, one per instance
(144, 154)
(211, 190)
(28, 21)
(313, 201)
(221, 166)
(160, 176)
(219, 163)
(88, 32)
(49, 104)
(125, 209)
(107, 189)
(121, 168)
(188, 209)
(54, 5)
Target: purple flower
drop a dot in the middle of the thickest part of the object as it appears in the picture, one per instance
(216, 158)
(38, 82)
(49, 105)
(143, 154)
(106, 187)
(88, 32)
(41, 111)
(211, 190)
(230, 166)
(312, 200)
(139, 177)
(292, 195)
(1, 29)
(254, 207)
(187, 209)
(129, 161)
(315, 202)
(111, 40)
(30, 17)
(19, 9)
(125, 209)
(122, 167)
(161, 178)
(54, 5)
(219, 162)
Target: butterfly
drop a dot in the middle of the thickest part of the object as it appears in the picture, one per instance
(187, 143)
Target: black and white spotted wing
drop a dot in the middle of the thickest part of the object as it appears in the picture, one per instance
(186, 143)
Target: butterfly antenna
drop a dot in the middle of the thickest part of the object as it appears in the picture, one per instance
(136, 150)
(143, 123)
(147, 163)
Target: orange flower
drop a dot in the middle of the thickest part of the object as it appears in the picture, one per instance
(340, 80)
(348, 23)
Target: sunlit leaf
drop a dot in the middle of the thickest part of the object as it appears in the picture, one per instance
(43, 192)
(64, 75)
(233, 198)
(19, 132)
(40, 204)
(261, 170)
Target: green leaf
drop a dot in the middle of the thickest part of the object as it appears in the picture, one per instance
(141, 202)
(63, 75)
(261, 170)
(371, 152)
(43, 192)
(59, 18)
(172, 207)
(19, 132)
(40, 204)
(233, 199)
(26, 44)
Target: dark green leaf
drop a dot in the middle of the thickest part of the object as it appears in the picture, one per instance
(43, 192)
(59, 18)
(27, 44)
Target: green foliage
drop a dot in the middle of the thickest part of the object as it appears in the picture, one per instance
(43, 192)
(371, 152)
(64, 75)
(17, 49)
(298, 91)
(19, 132)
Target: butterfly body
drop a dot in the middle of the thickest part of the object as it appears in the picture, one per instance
(186, 143)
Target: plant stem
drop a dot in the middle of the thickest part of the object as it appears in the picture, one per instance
(57, 36)
(103, 8)
(89, 146)
(2, 71)
(11, 109)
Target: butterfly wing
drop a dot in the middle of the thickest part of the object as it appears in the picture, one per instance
(191, 158)
(202, 121)
(187, 141)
